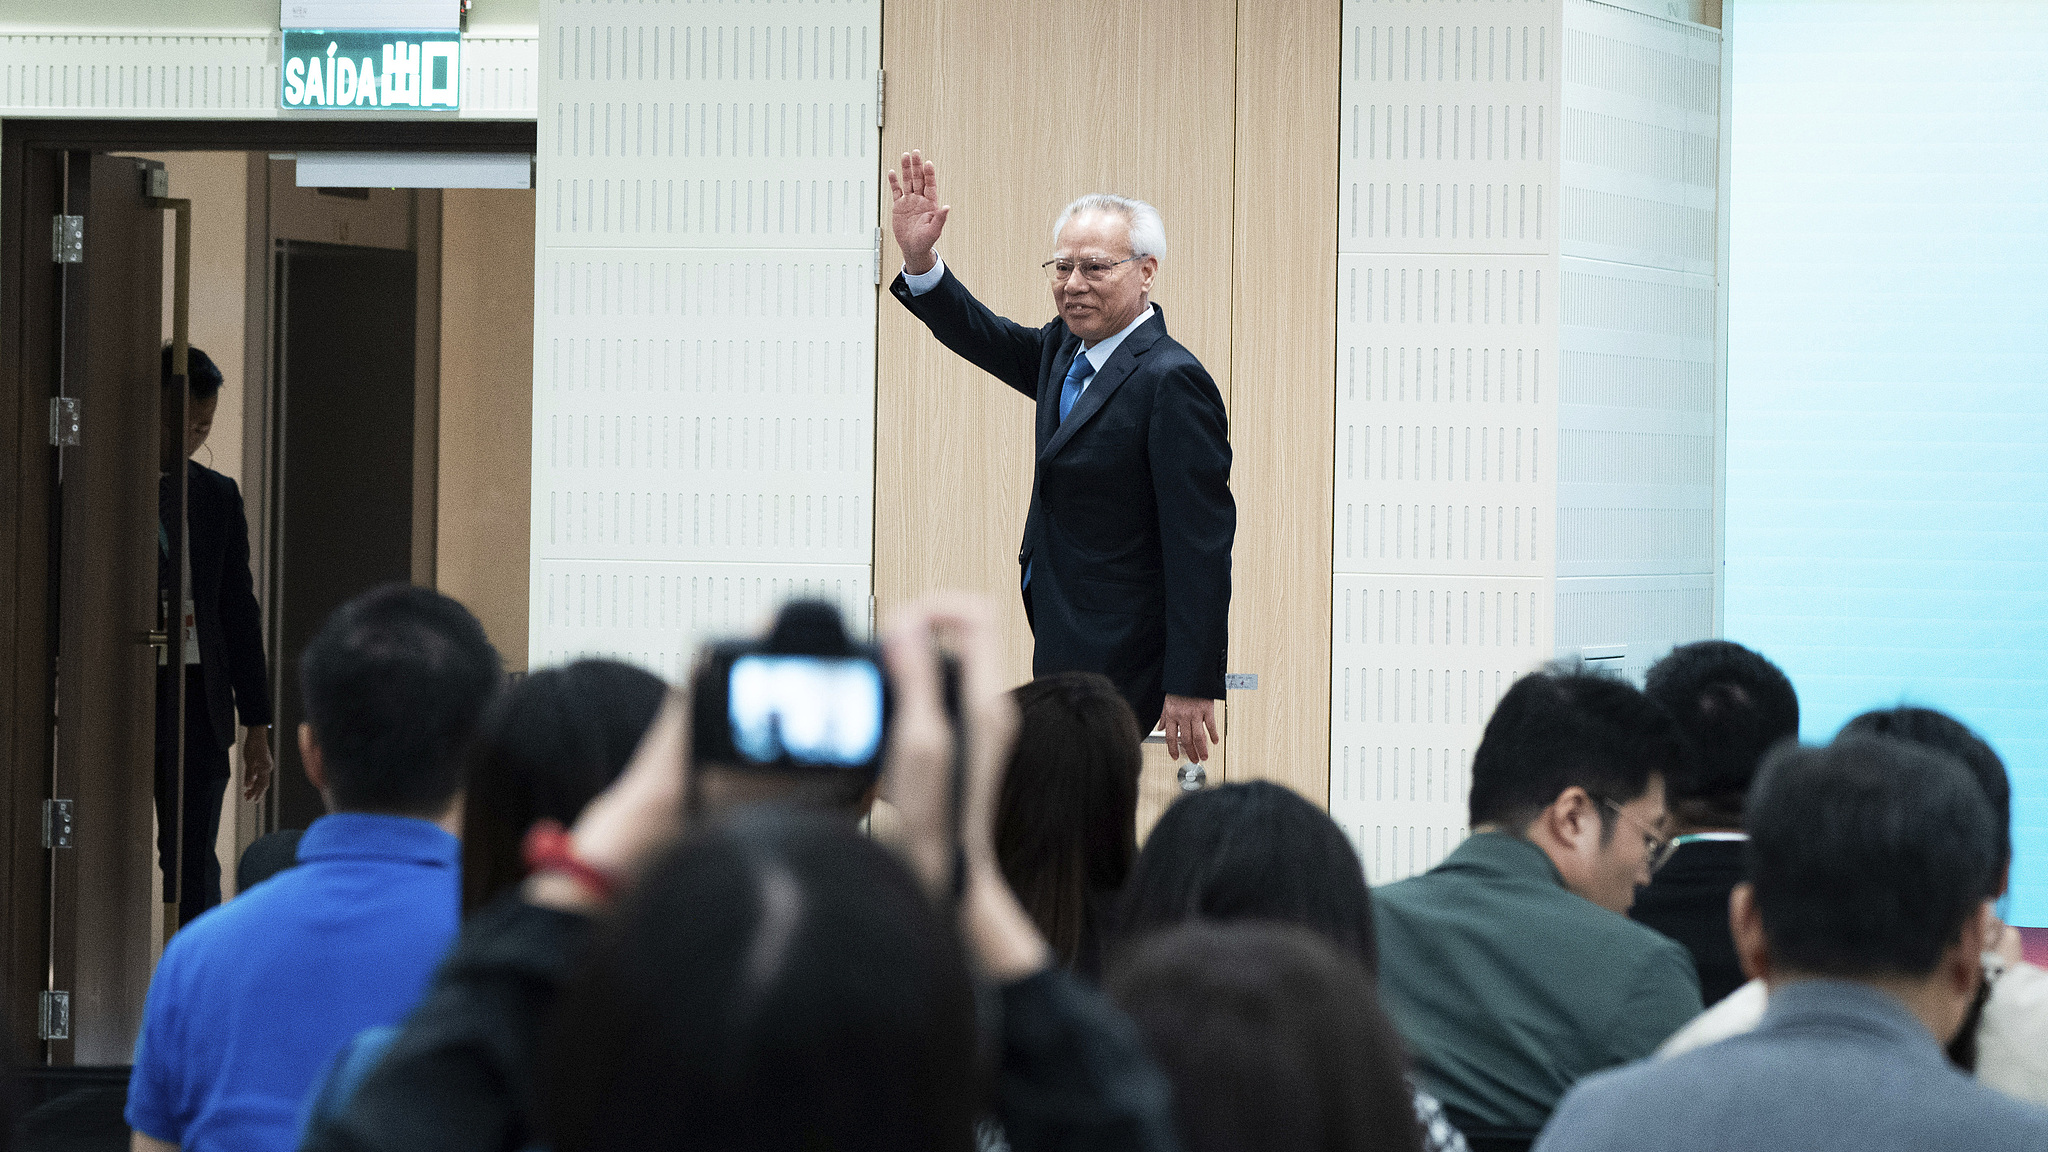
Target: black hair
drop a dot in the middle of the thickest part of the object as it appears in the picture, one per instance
(1945, 733)
(202, 375)
(1272, 1039)
(394, 683)
(546, 746)
(1067, 820)
(1567, 726)
(1251, 851)
(1734, 706)
(777, 983)
(266, 856)
(1868, 856)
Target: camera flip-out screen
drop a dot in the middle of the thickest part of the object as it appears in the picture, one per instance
(809, 709)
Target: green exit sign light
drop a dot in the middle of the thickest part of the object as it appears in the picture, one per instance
(381, 70)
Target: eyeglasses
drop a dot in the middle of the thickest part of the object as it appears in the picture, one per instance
(1092, 270)
(1657, 847)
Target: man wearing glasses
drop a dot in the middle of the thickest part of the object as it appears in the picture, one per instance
(1511, 968)
(1125, 564)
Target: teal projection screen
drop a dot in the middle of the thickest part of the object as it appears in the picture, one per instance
(1887, 492)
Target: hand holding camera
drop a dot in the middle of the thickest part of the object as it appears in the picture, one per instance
(805, 700)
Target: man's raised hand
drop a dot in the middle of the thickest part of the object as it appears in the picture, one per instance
(915, 212)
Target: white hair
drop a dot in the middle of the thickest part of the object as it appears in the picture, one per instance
(1147, 232)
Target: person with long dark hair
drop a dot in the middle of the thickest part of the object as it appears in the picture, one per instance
(1272, 1037)
(1257, 852)
(1251, 851)
(549, 743)
(1067, 823)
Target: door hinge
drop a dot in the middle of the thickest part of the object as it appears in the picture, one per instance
(53, 1016)
(56, 823)
(67, 239)
(1241, 681)
(878, 256)
(881, 96)
(65, 422)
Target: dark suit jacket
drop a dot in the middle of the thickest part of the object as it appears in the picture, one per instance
(1688, 901)
(1131, 521)
(224, 598)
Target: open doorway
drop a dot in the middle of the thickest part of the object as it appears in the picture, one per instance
(375, 346)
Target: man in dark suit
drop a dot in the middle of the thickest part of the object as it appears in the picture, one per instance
(1125, 565)
(219, 645)
(1735, 706)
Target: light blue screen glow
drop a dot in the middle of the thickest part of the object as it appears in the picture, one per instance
(812, 709)
(1887, 499)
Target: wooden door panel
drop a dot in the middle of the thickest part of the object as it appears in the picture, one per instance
(1023, 107)
(107, 572)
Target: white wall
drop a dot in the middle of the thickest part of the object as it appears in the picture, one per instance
(704, 358)
(1638, 336)
(1526, 354)
(1446, 406)
(187, 15)
(218, 59)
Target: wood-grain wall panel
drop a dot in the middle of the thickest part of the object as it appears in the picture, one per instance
(1283, 411)
(486, 432)
(1023, 107)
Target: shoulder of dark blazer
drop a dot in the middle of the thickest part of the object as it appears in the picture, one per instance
(214, 485)
(1157, 351)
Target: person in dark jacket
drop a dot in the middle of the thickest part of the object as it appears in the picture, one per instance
(219, 647)
(1733, 706)
(491, 1060)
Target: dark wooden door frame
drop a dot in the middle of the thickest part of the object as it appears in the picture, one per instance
(30, 189)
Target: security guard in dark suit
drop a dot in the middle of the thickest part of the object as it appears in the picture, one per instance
(217, 647)
(1125, 564)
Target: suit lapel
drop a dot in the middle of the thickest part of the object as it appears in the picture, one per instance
(1106, 381)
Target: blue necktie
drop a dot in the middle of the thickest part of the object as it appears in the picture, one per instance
(1077, 379)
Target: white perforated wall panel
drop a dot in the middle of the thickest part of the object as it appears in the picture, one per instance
(1526, 417)
(1419, 663)
(704, 358)
(1446, 468)
(1637, 419)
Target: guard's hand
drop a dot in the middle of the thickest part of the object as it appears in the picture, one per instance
(257, 765)
(915, 212)
(1189, 723)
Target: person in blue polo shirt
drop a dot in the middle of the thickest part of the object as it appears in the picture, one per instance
(253, 999)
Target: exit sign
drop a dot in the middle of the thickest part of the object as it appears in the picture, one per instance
(361, 69)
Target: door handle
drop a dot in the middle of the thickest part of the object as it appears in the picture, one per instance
(161, 641)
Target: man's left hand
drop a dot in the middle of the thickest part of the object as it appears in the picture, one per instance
(256, 762)
(1189, 723)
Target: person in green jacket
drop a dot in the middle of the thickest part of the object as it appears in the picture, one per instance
(1511, 969)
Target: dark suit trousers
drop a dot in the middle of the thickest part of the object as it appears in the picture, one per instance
(206, 783)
